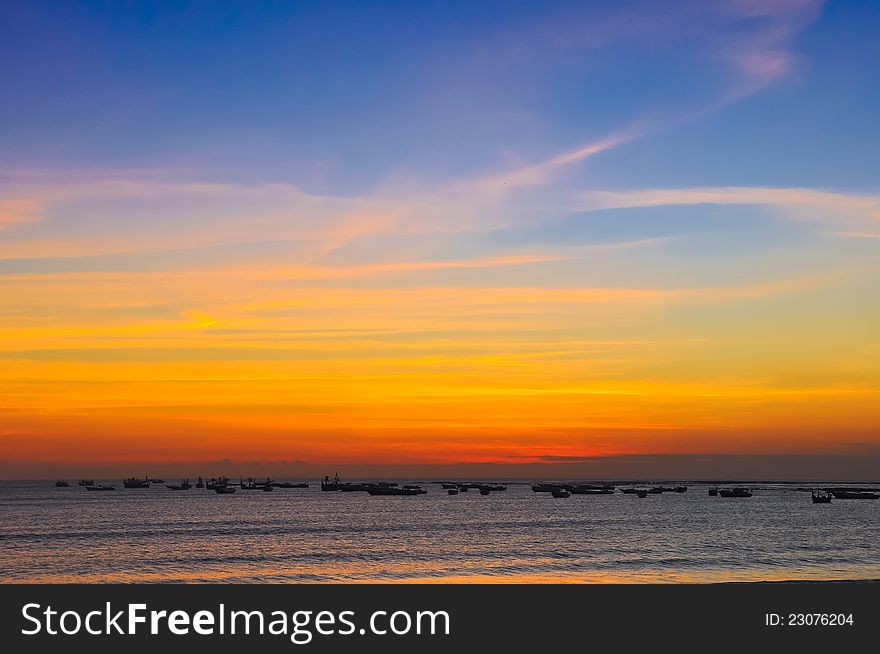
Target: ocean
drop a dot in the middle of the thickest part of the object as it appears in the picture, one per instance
(50, 534)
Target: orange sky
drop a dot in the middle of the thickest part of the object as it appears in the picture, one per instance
(533, 239)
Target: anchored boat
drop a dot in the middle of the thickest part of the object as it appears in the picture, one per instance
(735, 492)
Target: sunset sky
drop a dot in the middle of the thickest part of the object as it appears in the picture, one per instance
(325, 235)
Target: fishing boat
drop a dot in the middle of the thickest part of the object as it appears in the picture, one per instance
(713, 491)
(545, 488)
(656, 490)
(100, 487)
(560, 493)
(641, 492)
(735, 492)
(224, 490)
(200, 483)
(290, 484)
(61, 483)
(821, 497)
(596, 487)
(452, 491)
(86, 482)
(630, 491)
(131, 482)
(854, 495)
(215, 483)
(484, 491)
(448, 485)
(350, 487)
(578, 489)
(680, 489)
(268, 488)
(184, 485)
(327, 485)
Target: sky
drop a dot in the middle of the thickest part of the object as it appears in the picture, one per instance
(532, 238)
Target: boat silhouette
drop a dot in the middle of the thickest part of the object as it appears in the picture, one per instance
(61, 484)
(821, 497)
(560, 493)
(713, 491)
(224, 490)
(393, 490)
(185, 485)
(854, 495)
(131, 482)
(735, 492)
(327, 485)
(86, 482)
(101, 487)
(578, 489)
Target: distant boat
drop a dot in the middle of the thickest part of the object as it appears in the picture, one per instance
(61, 483)
(735, 492)
(185, 485)
(680, 489)
(641, 492)
(484, 491)
(351, 487)
(102, 487)
(131, 482)
(448, 485)
(560, 493)
(268, 488)
(224, 490)
(586, 489)
(821, 497)
(391, 490)
(200, 483)
(657, 490)
(713, 491)
(452, 491)
(545, 488)
(854, 495)
(290, 484)
(608, 488)
(214, 484)
(631, 491)
(327, 485)
(86, 482)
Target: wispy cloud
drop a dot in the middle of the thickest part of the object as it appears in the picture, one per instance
(816, 203)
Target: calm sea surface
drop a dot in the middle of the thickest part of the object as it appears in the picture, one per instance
(50, 534)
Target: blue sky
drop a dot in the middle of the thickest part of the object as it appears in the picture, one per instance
(343, 96)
